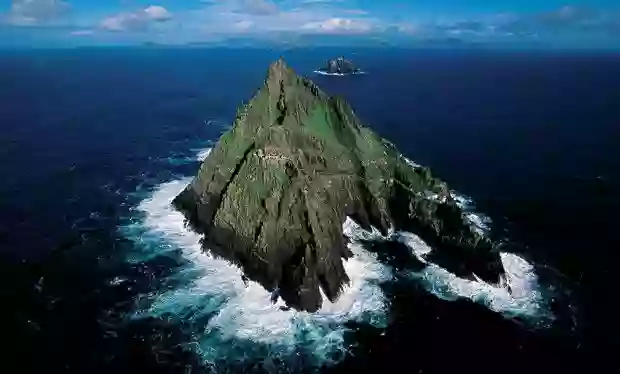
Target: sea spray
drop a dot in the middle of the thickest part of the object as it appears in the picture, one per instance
(231, 317)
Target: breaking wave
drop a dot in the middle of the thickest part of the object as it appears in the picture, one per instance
(202, 155)
(411, 163)
(231, 319)
(477, 221)
(518, 294)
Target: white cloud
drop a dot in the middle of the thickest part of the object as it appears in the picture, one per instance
(263, 18)
(321, 1)
(121, 22)
(243, 25)
(35, 12)
(339, 26)
(139, 20)
(157, 13)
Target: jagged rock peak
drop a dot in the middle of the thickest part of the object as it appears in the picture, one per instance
(287, 94)
(278, 66)
(279, 72)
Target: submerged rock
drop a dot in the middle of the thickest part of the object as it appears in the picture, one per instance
(276, 189)
(340, 66)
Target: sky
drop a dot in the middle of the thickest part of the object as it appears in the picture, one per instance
(58, 23)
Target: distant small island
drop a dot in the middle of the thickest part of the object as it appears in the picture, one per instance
(339, 66)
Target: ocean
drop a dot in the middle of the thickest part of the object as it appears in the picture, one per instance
(99, 275)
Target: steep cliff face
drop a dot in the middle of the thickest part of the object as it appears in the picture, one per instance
(276, 189)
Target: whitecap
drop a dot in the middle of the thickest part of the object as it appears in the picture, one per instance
(338, 74)
(415, 243)
(203, 154)
(411, 163)
(200, 154)
(479, 222)
(518, 294)
(117, 281)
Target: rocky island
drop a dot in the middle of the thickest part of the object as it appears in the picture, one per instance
(339, 66)
(274, 193)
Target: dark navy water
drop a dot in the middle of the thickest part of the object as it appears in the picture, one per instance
(88, 135)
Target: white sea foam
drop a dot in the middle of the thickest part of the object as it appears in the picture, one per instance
(477, 221)
(232, 318)
(411, 163)
(338, 74)
(463, 202)
(518, 294)
(203, 154)
(241, 312)
(415, 243)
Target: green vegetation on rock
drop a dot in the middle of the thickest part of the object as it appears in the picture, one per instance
(276, 189)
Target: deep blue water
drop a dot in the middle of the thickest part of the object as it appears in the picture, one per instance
(532, 137)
